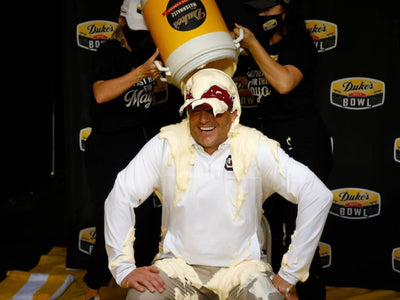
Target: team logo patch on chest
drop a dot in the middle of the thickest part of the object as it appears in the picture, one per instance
(228, 163)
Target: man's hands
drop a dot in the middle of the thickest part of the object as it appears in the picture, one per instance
(143, 278)
(284, 287)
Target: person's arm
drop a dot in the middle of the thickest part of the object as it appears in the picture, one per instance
(298, 184)
(107, 90)
(133, 185)
(283, 78)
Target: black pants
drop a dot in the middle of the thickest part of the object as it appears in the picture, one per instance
(307, 141)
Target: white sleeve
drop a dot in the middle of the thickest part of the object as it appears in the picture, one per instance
(298, 184)
(133, 185)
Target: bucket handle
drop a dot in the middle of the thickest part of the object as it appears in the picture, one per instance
(239, 38)
(162, 69)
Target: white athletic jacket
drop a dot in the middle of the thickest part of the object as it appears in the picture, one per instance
(212, 204)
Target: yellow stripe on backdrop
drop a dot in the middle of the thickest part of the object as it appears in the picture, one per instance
(54, 287)
(20, 285)
(49, 279)
(54, 265)
(14, 281)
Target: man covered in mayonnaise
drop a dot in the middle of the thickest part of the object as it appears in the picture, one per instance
(212, 175)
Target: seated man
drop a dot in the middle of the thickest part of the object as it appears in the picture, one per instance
(212, 174)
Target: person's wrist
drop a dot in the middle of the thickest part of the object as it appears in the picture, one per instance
(291, 289)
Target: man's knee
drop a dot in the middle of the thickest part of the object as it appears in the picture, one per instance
(134, 294)
(174, 285)
(260, 287)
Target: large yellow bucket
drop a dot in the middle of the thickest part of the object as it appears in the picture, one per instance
(190, 35)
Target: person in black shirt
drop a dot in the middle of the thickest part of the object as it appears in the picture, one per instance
(124, 116)
(278, 63)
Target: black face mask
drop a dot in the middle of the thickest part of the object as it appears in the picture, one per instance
(140, 41)
(267, 26)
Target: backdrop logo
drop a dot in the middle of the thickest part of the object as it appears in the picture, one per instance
(397, 150)
(396, 259)
(325, 254)
(87, 239)
(323, 33)
(357, 93)
(83, 136)
(90, 35)
(355, 203)
(246, 99)
(160, 91)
